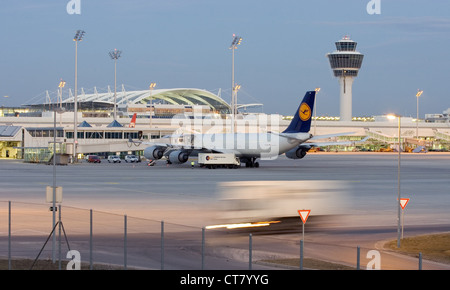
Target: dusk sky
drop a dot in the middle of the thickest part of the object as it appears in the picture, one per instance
(185, 44)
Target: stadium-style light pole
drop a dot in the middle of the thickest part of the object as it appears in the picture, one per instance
(236, 88)
(78, 37)
(315, 116)
(392, 117)
(60, 86)
(419, 93)
(151, 87)
(234, 44)
(115, 55)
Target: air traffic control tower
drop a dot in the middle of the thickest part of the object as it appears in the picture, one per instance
(345, 63)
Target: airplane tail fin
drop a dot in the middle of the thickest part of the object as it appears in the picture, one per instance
(301, 122)
(133, 121)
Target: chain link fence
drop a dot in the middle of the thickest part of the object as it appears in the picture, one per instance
(98, 239)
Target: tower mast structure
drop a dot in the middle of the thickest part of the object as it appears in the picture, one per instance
(345, 63)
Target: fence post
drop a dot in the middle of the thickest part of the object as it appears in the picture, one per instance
(250, 250)
(125, 243)
(9, 235)
(358, 250)
(203, 248)
(91, 266)
(162, 245)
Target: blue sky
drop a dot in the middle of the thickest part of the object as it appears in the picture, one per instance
(185, 44)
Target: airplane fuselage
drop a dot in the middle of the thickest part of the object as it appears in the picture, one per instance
(249, 144)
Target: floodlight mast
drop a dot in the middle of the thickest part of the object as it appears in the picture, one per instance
(61, 85)
(151, 87)
(419, 93)
(315, 106)
(78, 37)
(236, 41)
(115, 55)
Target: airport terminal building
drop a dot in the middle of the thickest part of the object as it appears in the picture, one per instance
(29, 132)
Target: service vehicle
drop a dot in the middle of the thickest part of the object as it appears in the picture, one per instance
(114, 159)
(93, 159)
(218, 160)
(276, 203)
(131, 158)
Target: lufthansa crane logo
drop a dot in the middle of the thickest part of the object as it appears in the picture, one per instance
(304, 112)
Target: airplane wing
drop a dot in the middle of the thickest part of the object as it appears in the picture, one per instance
(331, 135)
(322, 144)
(301, 136)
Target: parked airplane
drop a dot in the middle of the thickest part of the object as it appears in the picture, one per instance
(247, 146)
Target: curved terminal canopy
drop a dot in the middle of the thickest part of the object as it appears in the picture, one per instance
(180, 96)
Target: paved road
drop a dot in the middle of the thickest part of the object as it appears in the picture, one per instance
(187, 197)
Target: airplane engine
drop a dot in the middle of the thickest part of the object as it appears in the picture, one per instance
(154, 152)
(178, 157)
(297, 153)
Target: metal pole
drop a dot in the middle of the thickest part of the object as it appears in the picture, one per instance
(9, 235)
(303, 231)
(75, 106)
(203, 248)
(233, 112)
(125, 243)
(60, 108)
(301, 254)
(315, 110)
(250, 251)
(417, 119)
(403, 219)
(54, 187)
(59, 238)
(315, 117)
(162, 245)
(398, 181)
(151, 104)
(152, 85)
(115, 87)
(358, 257)
(90, 240)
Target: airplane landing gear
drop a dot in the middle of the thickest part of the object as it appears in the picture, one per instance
(252, 163)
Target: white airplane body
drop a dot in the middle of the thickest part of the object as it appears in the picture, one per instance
(251, 144)
(247, 146)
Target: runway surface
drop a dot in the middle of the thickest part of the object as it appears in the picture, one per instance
(141, 191)
(188, 196)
